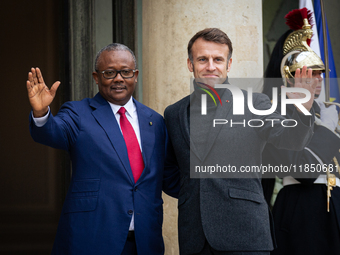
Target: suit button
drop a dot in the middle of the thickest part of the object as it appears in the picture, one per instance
(130, 212)
(136, 189)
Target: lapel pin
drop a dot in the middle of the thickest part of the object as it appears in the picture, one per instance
(150, 123)
(227, 101)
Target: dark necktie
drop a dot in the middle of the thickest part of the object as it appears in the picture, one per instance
(132, 145)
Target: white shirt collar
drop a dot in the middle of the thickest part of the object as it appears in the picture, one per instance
(129, 107)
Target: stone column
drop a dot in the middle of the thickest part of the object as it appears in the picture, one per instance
(168, 26)
(81, 43)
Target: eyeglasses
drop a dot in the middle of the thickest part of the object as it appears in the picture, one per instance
(111, 74)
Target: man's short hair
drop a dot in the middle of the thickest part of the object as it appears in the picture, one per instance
(211, 35)
(114, 47)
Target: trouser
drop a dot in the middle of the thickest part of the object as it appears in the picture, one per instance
(130, 247)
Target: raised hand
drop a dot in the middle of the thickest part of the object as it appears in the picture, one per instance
(39, 95)
(303, 79)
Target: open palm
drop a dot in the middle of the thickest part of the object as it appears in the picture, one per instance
(39, 95)
(303, 79)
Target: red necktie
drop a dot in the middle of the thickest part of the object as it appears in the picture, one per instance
(132, 145)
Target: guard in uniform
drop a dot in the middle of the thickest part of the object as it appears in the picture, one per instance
(307, 210)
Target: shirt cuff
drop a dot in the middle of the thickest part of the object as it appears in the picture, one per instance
(39, 122)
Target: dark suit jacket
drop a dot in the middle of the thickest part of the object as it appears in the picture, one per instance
(102, 195)
(231, 213)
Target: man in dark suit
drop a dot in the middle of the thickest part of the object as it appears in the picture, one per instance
(117, 147)
(225, 215)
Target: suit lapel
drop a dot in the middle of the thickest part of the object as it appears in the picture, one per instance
(222, 112)
(147, 135)
(103, 114)
(184, 120)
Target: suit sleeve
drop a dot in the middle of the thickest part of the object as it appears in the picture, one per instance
(321, 149)
(324, 145)
(171, 176)
(282, 132)
(60, 131)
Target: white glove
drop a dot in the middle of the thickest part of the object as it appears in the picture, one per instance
(329, 116)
